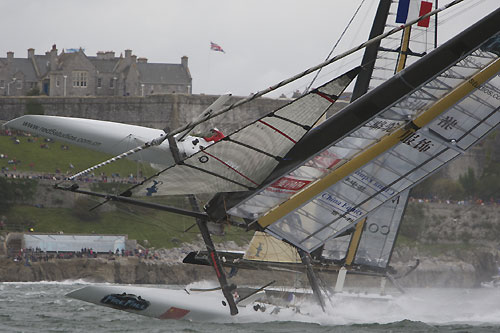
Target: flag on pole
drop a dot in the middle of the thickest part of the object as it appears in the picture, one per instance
(409, 10)
(216, 47)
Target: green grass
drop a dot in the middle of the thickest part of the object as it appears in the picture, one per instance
(48, 160)
(160, 229)
(432, 249)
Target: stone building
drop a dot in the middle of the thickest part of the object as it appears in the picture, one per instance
(76, 74)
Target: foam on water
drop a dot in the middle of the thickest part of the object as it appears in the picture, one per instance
(64, 282)
(432, 306)
(42, 307)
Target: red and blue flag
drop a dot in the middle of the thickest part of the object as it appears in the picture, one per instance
(409, 10)
(216, 47)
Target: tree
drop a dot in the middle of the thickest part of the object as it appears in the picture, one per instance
(469, 182)
(4, 195)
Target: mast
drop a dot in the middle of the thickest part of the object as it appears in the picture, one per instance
(311, 276)
(368, 62)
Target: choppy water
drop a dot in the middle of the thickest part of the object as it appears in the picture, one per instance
(42, 307)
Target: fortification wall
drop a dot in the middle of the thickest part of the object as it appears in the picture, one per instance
(157, 111)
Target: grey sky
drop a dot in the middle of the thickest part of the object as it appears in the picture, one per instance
(265, 41)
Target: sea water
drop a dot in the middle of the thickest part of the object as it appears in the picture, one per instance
(42, 307)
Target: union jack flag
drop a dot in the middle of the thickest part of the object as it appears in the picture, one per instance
(216, 47)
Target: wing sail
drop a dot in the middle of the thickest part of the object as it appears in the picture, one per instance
(243, 159)
(390, 154)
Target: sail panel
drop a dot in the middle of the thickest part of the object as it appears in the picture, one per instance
(364, 189)
(243, 159)
(264, 247)
(379, 234)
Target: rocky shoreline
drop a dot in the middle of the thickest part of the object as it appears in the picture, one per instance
(432, 272)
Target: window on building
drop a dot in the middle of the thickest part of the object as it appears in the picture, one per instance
(99, 82)
(112, 82)
(80, 79)
(33, 85)
(2, 84)
(19, 84)
(58, 82)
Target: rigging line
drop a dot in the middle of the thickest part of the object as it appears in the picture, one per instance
(306, 127)
(335, 45)
(159, 140)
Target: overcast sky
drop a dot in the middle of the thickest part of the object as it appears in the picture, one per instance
(265, 41)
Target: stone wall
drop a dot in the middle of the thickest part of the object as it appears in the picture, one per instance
(156, 111)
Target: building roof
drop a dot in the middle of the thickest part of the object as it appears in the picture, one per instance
(42, 62)
(104, 65)
(154, 73)
(22, 65)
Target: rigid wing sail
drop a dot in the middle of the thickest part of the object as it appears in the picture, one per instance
(381, 144)
(403, 143)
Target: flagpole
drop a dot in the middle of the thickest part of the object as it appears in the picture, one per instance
(208, 68)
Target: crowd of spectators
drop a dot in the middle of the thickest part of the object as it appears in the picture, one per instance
(29, 255)
(474, 201)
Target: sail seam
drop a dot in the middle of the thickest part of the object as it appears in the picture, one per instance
(217, 175)
(230, 167)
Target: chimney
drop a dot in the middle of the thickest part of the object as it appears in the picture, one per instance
(128, 53)
(109, 55)
(10, 57)
(184, 61)
(53, 58)
(134, 59)
(31, 53)
(100, 55)
(142, 60)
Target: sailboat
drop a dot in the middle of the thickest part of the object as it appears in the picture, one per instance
(330, 189)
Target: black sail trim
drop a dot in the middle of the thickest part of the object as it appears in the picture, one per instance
(278, 158)
(305, 127)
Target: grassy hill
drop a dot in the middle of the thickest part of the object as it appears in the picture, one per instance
(159, 229)
(30, 156)
(149, 227)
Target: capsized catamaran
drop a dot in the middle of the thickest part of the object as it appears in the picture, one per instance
(370, 152)
(344, 170)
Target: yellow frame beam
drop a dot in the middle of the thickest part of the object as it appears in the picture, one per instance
(381, 146)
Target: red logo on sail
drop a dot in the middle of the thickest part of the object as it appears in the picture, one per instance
(290, 184)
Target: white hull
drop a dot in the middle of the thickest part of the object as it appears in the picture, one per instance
(106, 136)
(163, 303)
